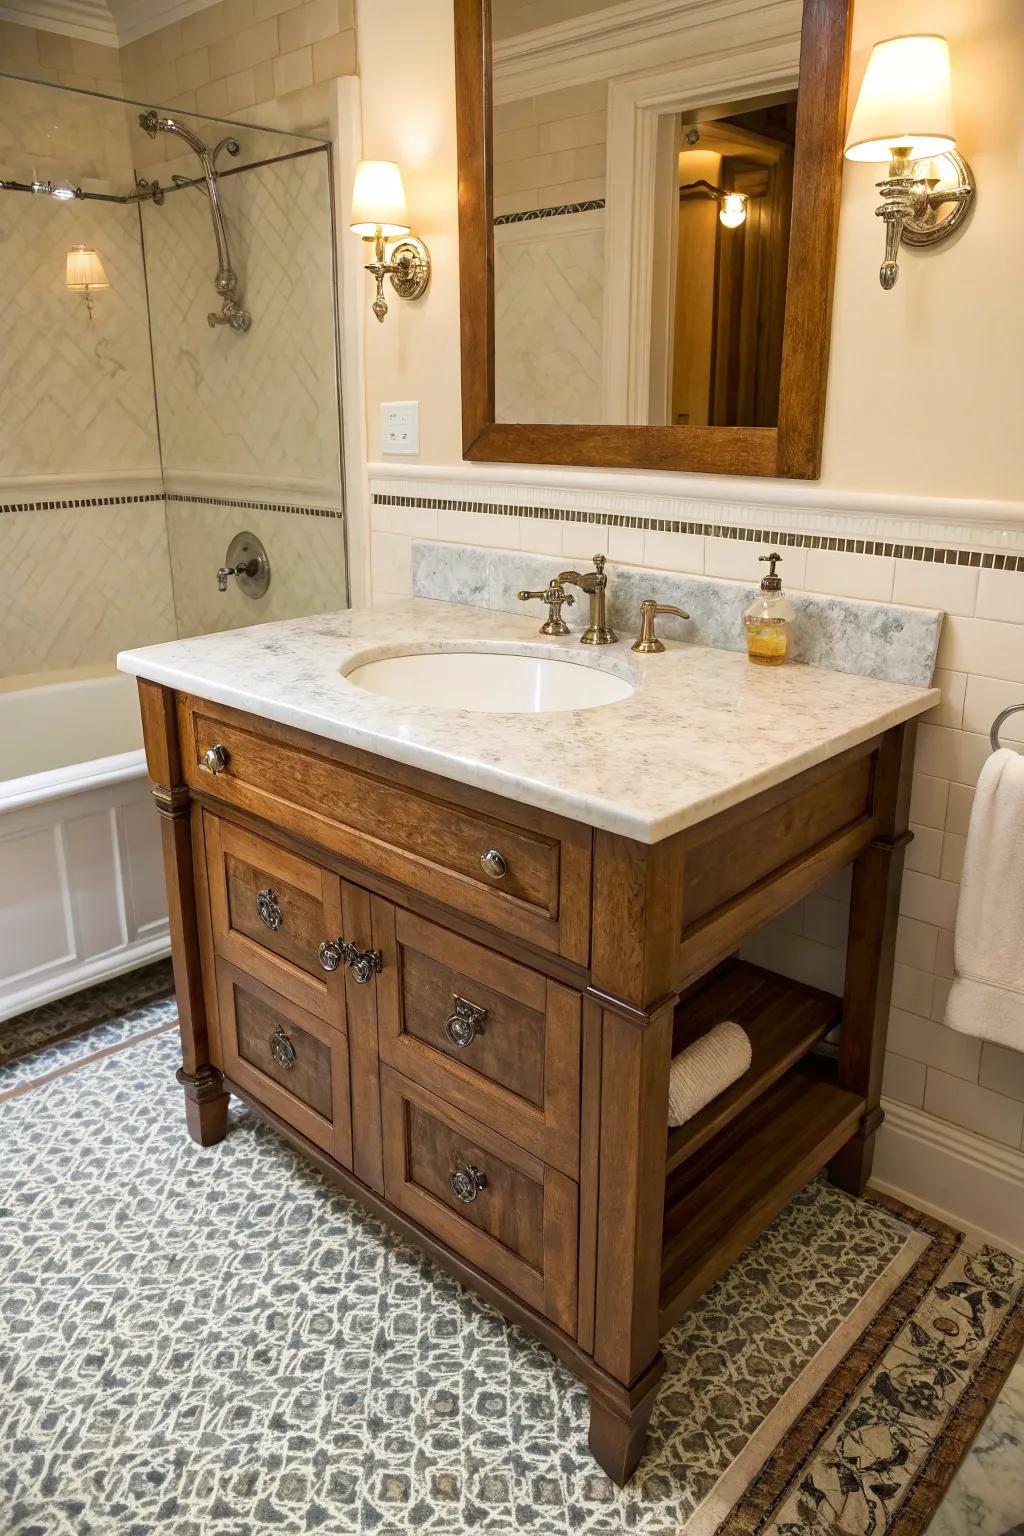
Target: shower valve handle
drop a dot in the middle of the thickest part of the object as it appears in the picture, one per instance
(244, 568)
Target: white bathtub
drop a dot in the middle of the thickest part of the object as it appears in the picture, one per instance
(81, 880)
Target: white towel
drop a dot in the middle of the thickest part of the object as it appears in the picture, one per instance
(987, 997)
(705, 1069)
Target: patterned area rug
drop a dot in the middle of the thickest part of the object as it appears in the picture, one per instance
(211, 1343)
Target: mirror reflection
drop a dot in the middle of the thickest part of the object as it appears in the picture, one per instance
(641, 219)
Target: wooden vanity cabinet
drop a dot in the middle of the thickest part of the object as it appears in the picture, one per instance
(464, 1011)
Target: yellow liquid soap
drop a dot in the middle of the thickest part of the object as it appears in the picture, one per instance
(767, 644)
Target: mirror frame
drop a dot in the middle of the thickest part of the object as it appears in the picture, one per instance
(790, 450)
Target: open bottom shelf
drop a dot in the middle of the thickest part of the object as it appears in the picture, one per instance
(783, 1020)
(720, 1199)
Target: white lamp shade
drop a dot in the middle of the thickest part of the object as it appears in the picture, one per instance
(378, 199)
(85, 270)
(733, 211)
(905, 101)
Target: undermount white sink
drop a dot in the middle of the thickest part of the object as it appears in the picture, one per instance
(491, 682)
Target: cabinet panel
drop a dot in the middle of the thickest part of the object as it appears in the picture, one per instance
(291, 1060)
(502, 1209)
(270, 912)
(494, 1037)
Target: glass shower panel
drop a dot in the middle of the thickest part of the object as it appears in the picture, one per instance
(249, 419)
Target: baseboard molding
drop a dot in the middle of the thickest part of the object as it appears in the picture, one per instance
(963, 1179)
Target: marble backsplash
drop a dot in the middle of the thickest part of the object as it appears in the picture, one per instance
(889, 641)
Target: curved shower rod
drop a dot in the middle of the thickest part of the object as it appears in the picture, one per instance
(231, 312)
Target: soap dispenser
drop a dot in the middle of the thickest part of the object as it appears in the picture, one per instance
(768, 622)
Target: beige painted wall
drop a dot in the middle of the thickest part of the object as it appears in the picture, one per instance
(925, 381)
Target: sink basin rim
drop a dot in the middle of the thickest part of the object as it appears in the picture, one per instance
(618, 680)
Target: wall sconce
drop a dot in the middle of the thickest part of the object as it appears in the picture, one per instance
(84, 273)
(732, 206)
(379, 214)
(733, 211)
(904, 115)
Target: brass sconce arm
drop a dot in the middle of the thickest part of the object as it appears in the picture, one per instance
(910, 204)
(408, 269)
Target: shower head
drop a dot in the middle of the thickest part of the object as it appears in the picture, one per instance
(153, 124)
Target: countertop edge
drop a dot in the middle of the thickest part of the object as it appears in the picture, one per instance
(587, 810)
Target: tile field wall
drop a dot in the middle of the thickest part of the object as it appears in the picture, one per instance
(957, 1080)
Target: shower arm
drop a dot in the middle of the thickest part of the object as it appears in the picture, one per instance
(226, 282)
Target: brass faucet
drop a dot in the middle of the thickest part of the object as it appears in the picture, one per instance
(554, 596)
(595, 584)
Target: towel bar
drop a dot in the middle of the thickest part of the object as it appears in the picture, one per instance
(997, 722)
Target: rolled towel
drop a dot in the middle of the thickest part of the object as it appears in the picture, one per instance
(705, 1069)
(987, 997)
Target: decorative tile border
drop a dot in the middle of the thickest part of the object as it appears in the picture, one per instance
(64, 503)
(592, 205)
(987, 559)
(254, 506)
(67, 503)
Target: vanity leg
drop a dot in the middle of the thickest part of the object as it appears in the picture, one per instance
(636, 1053)
(871, 951)
(206, 1102)
(618, 1423)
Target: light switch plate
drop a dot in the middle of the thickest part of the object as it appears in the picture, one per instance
(400, 426)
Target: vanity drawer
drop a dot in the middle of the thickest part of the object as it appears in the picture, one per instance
(288, 1059)
(270, 912)
(502, 1209)
(499, 1040)
(415, 828)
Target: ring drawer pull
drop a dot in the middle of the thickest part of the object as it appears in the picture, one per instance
(494, 864)
(465, 1021)
(217, 758)
(282, 1050)
(363, 963)
(331, 953)
(269, 909)
(467, 1183)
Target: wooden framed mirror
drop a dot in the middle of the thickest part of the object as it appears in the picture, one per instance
(648, 210)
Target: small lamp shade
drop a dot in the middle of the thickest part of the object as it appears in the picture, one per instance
(378, 199)
(733, 211)
(85, 270)
(905, 101)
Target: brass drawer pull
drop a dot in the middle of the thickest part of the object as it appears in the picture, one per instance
(282, 1050)
(363, 963)
(269, 909)
(467, 1183)
(216, 759)
(465, 1021)
(494, 864)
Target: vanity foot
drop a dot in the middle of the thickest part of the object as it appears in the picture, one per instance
(206, 1105)
(619, 1421)
(850, 1169)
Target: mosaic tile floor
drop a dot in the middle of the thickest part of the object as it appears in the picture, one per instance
(212, 1343)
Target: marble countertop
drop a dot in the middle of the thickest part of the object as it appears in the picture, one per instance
(703, 730)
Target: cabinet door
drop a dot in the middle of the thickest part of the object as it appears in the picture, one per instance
(271, 910)
(498, 1039)
(287, 1058)
(504, 1210)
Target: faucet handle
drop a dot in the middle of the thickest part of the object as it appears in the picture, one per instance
(554, 595)
(648, 643)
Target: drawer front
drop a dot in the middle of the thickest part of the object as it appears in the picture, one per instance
(270, 913)
(502, 1209)
(538, 886)
(288, 1059)
(499, 1040)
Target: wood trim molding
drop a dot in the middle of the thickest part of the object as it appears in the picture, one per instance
(634, 36)
(793, 449)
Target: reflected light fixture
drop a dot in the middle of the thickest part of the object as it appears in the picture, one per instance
(84, 273)
(904, 116)
(379, 214)
(733, 210)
